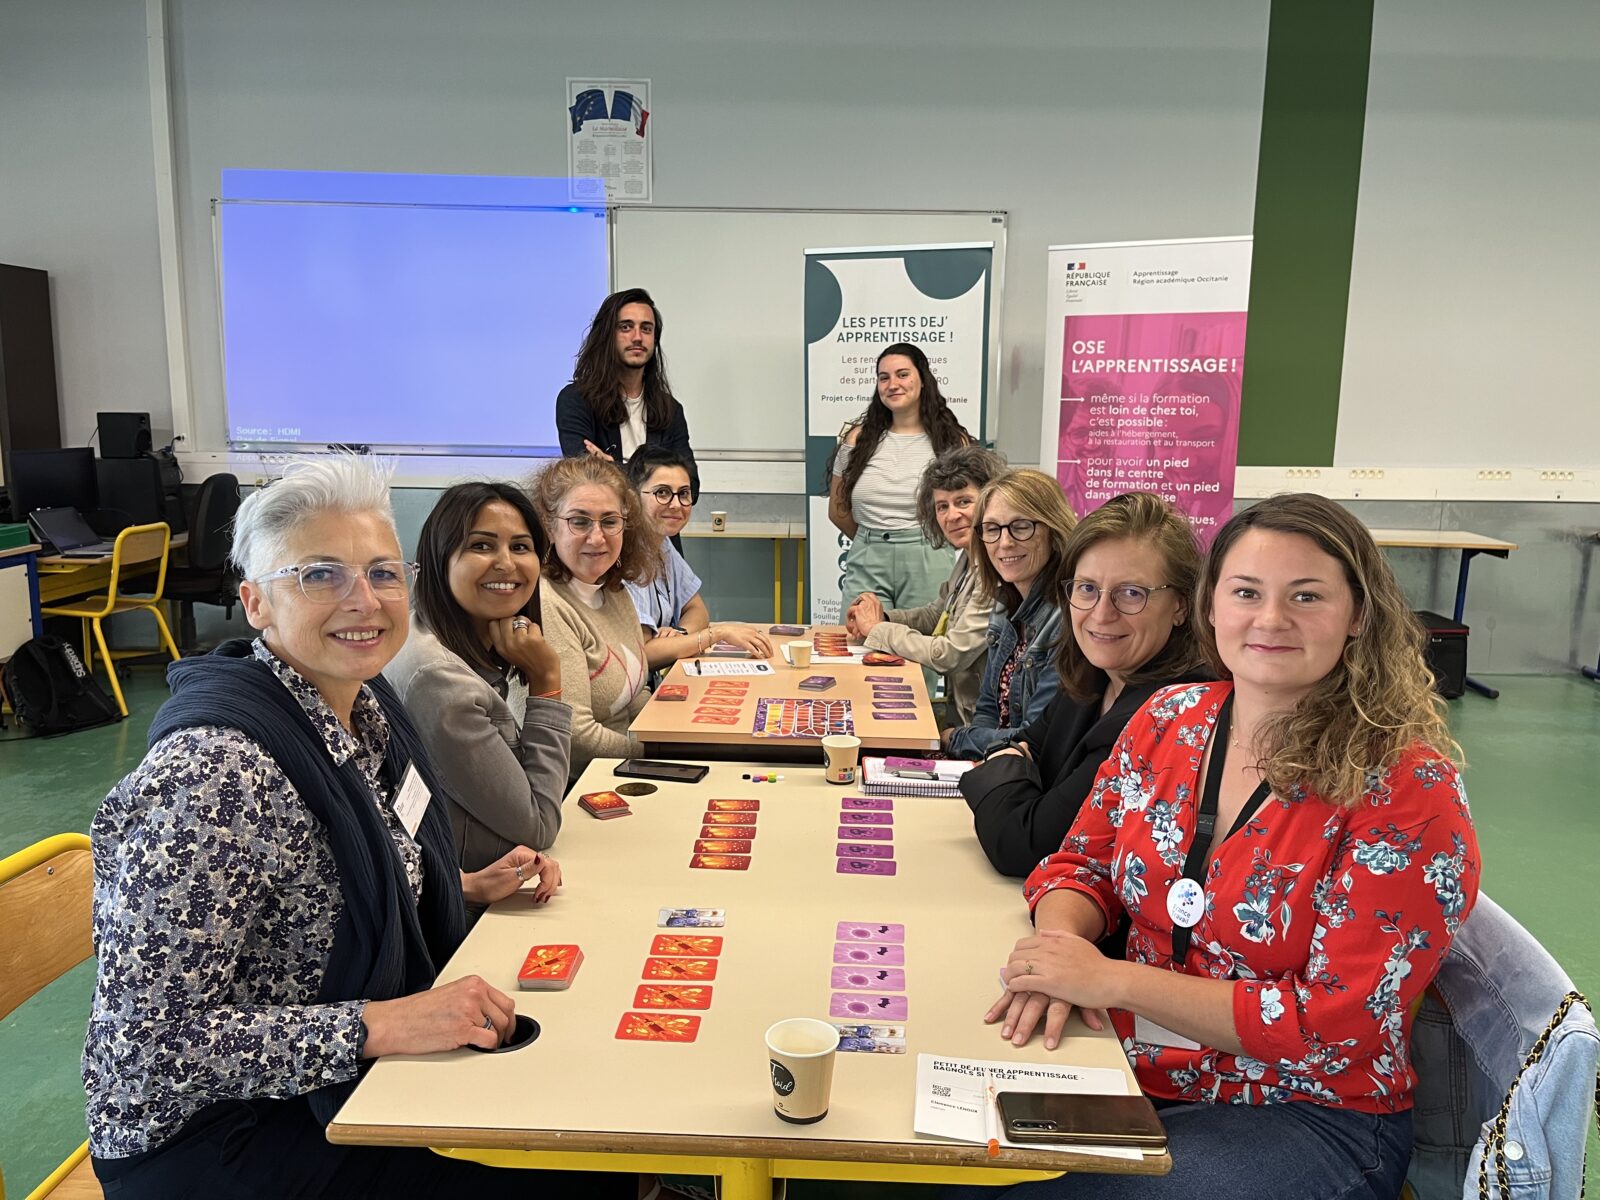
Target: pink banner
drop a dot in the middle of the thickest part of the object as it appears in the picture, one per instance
(1151, 403)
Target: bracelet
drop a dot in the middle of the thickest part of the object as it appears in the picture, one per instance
(552, 695)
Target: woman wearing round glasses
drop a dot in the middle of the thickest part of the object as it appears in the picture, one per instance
(600, 541)
(275, 884)
(477, 675)
(1023, 522)
(671, 611)
(1130, 569)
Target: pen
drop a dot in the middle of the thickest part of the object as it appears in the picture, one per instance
(990, 1131)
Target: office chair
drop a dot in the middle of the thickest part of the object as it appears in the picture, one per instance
(206, 577)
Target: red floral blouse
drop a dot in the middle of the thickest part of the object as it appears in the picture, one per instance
(1331, 921)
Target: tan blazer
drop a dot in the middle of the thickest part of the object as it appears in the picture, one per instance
(959, 650)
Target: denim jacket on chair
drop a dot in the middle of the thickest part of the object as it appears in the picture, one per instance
(1501, 988)
(1033, 684)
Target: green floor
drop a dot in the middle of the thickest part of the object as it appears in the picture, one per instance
(1531, 780)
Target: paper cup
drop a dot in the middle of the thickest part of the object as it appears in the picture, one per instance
(839, 754)
(719, 522)
(796, 654)
(800, 1054)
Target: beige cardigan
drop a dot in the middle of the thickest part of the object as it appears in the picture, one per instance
(960, 650)
(602, 669)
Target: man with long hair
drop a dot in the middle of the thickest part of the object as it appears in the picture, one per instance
(619, 398)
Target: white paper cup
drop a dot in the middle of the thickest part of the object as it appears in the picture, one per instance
(839, 754)
(800, 1054)
(796, 654)
(719, 521)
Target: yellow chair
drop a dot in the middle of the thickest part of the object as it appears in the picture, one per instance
(46, 903)
(135, 547)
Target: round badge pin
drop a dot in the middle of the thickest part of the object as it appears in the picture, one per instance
(1186, 902)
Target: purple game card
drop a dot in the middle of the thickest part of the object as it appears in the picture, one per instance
(883, 679)
(861, 1006)
(911, 764)
(867, 803)
(882, 692)
(877, 979)
(865, 866)
(863, 850)
(867, 818)
(879, 714)
(868, 833)
(853, 954)
(869, 931)
(877, 704)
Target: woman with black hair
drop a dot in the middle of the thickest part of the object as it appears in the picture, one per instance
(480, 681)
(877, 467)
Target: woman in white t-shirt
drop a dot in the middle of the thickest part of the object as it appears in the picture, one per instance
(876, 470)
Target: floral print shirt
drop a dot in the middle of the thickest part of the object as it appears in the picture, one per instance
(1331, 921)
(215, 902)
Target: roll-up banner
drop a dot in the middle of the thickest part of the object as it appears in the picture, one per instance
(1144, 358)
(859, 301)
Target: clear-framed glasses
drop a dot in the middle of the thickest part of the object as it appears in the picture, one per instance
(1127, 598)
(1021, 530)
(327, 582)
(611, 524)
(664, 496)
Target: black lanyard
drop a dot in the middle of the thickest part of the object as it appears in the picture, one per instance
(1205, 819)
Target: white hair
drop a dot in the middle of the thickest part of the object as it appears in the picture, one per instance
(347, 484)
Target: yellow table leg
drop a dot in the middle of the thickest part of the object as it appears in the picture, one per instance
(777, 581)
(800, 583)
(746, 1179)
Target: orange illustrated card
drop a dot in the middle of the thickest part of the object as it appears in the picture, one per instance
(604, 805)
(673, 691)
(722, 846)
(877, 658)
(712, 719)
(693, 944)
(680, 968)
(657, 1027)
(721, 862)
(740, 833)
(715, 710)
(727, 818)
(672, 995)
(549, 968)
(726, 687)
(734, 805)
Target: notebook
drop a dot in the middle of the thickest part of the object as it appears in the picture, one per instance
(912, 776)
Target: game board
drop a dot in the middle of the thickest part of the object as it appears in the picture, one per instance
(787, 718)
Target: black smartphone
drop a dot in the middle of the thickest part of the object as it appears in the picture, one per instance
(666, 772)
(1068, 1119)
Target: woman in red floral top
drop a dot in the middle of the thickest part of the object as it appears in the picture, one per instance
(1266, 1000)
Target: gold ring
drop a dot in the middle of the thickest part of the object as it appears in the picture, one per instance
(1027, 968)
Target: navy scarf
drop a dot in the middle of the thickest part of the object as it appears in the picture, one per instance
(384, 946)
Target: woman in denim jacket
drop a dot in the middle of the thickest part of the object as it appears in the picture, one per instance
(1023, 522)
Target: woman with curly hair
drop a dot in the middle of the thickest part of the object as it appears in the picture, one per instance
(1293, 849)
(876, 469)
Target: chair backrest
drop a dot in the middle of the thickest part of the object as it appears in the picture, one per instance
(211, 530)
(46, 915)
(141, 544)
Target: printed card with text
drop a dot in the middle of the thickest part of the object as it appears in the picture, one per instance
(692, 918)
(871, 1039)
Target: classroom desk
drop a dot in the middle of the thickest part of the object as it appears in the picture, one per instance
(19, 597)
(778, 532)
(577, 1098)
(1470, 544)
(62, 578)
(669, 730)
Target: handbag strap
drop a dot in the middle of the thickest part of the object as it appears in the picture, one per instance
(1497, 1128)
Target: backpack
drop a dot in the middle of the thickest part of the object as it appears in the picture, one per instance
(52, 692)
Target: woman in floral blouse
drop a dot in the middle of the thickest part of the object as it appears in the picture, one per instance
(1267, 995)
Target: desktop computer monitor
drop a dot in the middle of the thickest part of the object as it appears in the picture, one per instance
(52, 479)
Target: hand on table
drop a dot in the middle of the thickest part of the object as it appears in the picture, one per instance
(595, 451)
(464, 1012)
(865, 615)
(507, 874)
(522, 644)
(746, 637)
(1046, 976)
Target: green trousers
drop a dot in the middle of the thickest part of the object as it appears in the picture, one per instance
(897, 564)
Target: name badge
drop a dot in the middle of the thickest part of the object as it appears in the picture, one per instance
(411, 801)
(1186, 902)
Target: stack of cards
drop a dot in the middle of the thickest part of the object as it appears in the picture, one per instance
(604, 805)
(869, 979)
(673, 691)
(878, 658)
(677, 975)
(549, 968)
(727, 832)
(866, 836)
(720, 705)
(818, 683)
(787, 630)
(892, 698)
(833, 644)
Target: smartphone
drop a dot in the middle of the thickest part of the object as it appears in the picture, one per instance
(666, 772)
(1067, 1119)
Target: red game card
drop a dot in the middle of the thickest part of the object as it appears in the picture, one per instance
(673, 691)
(877, 658)
(693, 944)
(680, 968)
(727, 818)
(722, 846)
(657, 1027)
(604, 805)
(549, 968)
(728, 686)
(734, 805)
(738, 833)
(721, 862)
(675, 995)
(715, 710)
(706, 719)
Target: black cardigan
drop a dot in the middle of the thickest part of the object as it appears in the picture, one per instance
(1019, 818)
(577, 422)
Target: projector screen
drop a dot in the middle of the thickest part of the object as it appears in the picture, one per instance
(427, 314)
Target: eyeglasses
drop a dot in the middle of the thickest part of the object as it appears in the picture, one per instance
(1021, 530)
(327, 582)
(1128, 599)
(665, 495)
(610, 524)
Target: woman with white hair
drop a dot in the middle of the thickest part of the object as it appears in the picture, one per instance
(275, 888)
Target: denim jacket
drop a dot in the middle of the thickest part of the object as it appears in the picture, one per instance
(1499, 989)
(1033, 684)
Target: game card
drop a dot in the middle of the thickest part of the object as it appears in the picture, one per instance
(866, 1006)
(787, 630)
(869, 833)
(881, 954)
(728, 685)
(871, 1039)
(721, 846)
(720, 862)
(869, 931)
(877, 704)
(673, 691)
(549, 968)
(865, 866)
(877, 658)
(680, 968)
(657, 1027)
(604, 805)
(869, 979)
(733, 805)
(867, 803)
(706, 719)
(692, 918)
(886, 679)
(675, 995)
(715, 710)
(863, 850)
(695, 945)
(866, 818)
(736, 833)
(889, 689)
(727, 818)
(880, 714)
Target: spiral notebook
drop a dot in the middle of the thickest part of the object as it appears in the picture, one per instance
(912, 776)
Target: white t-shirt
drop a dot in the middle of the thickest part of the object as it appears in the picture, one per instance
(633, 427)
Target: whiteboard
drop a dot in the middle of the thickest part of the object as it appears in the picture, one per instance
(730, 284)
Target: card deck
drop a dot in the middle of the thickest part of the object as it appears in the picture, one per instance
(863, 979)
(673, 691)
(866, 818)
(734, 805)
(882, 954)
(727, 818)
(720, 862)
(869, 833)
(877, 658)
(817, 683)
(866, 1005)
(868, 803)
(680, 968)
(869, 931)
(695, 945)
(549, 968)
(863, 850)
(787, 630)
(692, 918)
(871, 1039)
(721, 846)
(657, 1027)
(865, 866)
(604, 805)
(738, 833)
(675, 995)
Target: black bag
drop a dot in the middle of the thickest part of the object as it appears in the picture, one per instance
(52, 692)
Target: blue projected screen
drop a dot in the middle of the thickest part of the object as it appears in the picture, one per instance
(434, 313)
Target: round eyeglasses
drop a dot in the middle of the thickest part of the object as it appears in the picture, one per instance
(327, 582)
(1128, 599)
(1021, 530)
(665, 495)
(581, 525)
